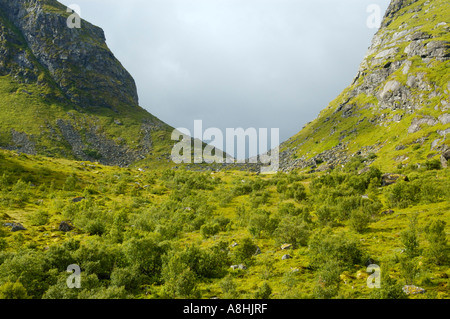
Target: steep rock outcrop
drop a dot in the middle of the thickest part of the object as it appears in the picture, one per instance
(401, 91)
(64, 94)
(77, 59)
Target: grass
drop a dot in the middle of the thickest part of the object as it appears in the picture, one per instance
(99, 184)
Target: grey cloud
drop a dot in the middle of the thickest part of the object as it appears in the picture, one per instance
(236, 63)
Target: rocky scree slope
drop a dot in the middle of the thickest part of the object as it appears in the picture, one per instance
(397, 109)
(63, 93)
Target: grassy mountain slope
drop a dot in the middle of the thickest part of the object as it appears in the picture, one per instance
(64, 94)
(398, 104)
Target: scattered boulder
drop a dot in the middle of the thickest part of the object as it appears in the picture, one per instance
(413, 290)
(286, 246)
(416, 124)
(65, 226)
(369, 262)
(445, 157)
(389, 178)
(77, 199)
(387, 212)
(241, 267)
(285, 257)
(17, 227)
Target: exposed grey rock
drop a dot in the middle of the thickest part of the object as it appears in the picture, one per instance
(417, 122)
(240, 267)
(77, 199)
(389, 178)
(445, 157)
(21, 143)
(391, 88)
(17, 227)
(435, 143)
(65, 226)
(285, 257)
(444, 132)
(401, 158)
(413, 290)
(444, 118)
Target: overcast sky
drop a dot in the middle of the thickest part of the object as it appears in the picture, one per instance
(236, 63)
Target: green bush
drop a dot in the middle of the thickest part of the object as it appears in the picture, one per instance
(11, 290)
(229, 288)
(30, 269)
(128, 277)
(211, 263)
(296, 191)
(292, 230)
(263, 292)
(409, 269)
(402, 194)
(325, 246)
(326, 215)
(434, 164)
(96, 227)
(262, 224)
(328, 280)
(179, 280)
(390, 287)
(209, 229)
(359, 220)
(146, 254)
(437, 251)
(245, 251)
(410, 238)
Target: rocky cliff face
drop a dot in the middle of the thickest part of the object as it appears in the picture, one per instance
(63, 93)
(397, 107)
(77, 59)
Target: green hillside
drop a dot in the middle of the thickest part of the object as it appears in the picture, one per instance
(70, 97)
(398, 104)
(181, 234)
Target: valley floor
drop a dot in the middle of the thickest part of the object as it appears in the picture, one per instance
(164, 233)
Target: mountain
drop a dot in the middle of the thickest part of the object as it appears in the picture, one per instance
(64, 94)
(397, 109)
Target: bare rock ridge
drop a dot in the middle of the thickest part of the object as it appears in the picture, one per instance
(399, 97)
